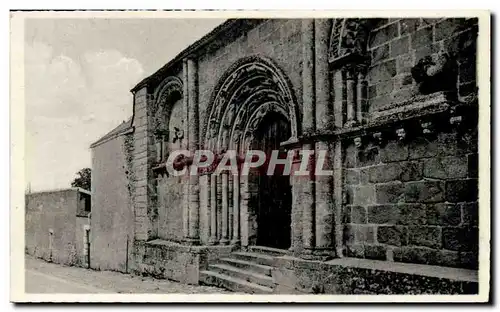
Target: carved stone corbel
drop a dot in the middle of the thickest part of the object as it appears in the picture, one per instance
(379, 138)
(401, 134)
(358, 142)
(428, 128)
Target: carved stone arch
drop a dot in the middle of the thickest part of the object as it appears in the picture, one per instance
(167, 93)
(349, 38)
(231, 86)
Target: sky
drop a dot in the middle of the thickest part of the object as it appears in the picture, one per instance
(78, 76)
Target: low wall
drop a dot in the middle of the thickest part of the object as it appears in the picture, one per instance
(50, 221)
(182, 263)
(361, 276)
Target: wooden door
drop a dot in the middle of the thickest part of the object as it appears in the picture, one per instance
(274, 205)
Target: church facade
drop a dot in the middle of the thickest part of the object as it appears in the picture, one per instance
(393, 104)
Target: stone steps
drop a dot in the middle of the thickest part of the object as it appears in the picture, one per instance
(247, 265)
(254, 257)
(248, 276)
(232, 283)
(242, 271)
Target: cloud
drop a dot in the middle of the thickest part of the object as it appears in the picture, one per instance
(70, 103)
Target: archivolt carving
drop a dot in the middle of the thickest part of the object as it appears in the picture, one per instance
(349, 37)
(165, 96)
(252, 83)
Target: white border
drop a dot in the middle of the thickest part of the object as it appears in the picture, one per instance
(17, 165)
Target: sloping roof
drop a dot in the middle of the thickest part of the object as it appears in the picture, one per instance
(120, 129)
(219, 35)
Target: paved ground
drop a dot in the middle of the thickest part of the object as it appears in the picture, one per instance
(44, 277)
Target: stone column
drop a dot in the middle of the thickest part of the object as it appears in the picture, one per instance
(213, 210)
(360, 93)
(308, 121)
(351, 95)
(185, 186)
(236, 210)
(338, 104)
(193, 124)
(225, 209)
(324, 209)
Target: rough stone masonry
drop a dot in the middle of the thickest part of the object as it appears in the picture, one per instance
(393, 101)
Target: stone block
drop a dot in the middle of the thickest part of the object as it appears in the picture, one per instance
(394, 151)
(400, 46)
(380, 53)
(412, 214)
(368, 157)
(420, 255)
(449, 144)
(375, 252)
(390, 193)
(422, 148)
(462, 190)
(422, 37)
(426, 236)
(426, 50)
(444, 214)
(404, 63)
(445, 168)
(468, 260)
(372, 92)
(384, 87)
(470, 214)
(348, 195)
(392, 235)
(380, 102)
(461, 238)
(364, 195)
(411, 171)
(358, 214)
(447, 258)
(351, 176)
(383, 35)
(355, 250)
(467, 71)
(446, 28)
(472, 165)
(403, 81)
(403, 95)
(381, 173)
(424, 192)
(382, 72)
(355, 234)
(383, 214)
(350, 156)
(408, 25)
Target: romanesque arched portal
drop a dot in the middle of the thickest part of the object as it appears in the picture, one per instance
(251, 90)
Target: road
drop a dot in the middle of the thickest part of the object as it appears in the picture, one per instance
(48, 278)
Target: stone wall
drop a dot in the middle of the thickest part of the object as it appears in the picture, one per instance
(396, 45)
(413, 202)
(370, 277)
(50, 220)
(277, 39)
(112, 214)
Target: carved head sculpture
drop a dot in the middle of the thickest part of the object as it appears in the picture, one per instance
(436, 72)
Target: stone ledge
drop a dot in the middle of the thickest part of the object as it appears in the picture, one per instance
(361, 276)
(185, 247)
(456, 274)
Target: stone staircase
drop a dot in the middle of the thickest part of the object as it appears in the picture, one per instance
(243, 271)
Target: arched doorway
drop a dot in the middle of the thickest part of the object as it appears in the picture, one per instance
(274, 191)
(253, 107)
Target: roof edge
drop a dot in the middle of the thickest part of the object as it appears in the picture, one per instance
(194, 47)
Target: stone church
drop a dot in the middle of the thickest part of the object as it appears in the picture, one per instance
(393, 102)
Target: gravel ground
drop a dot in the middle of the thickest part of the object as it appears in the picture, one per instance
(45, 277)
